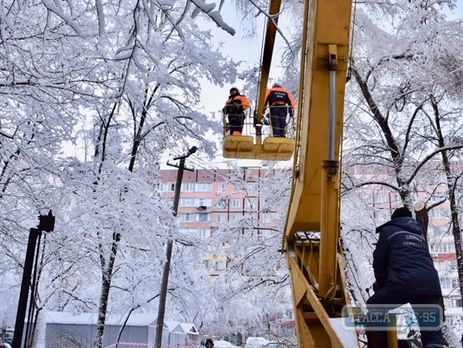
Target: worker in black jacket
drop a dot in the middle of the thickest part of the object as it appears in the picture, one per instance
(280, 101)
(405, 273)
(234, 108)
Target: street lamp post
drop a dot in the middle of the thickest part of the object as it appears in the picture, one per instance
(46, 224)
(165, 275)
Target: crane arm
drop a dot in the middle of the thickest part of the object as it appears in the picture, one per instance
(311, 235)
(269, 43)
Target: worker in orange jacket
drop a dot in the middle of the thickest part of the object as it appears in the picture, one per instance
(280, 101)
(234, 109)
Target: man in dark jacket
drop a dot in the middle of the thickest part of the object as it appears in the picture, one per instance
(404, 273)
(280, 101)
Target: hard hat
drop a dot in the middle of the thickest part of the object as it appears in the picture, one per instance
(276, 84)
(234, 89)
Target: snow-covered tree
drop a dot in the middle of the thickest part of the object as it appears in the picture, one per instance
(403, 111)
(122, 82)
(255, 287)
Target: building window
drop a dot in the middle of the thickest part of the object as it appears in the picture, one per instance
(204, 202)
(187, 202)
(267, 218)
(204, 232)
(251, 203)
(383, 214)
(252, 187)
(187, 217)
(236, 203)
(221, 265)
(191, 202)
(445, 283)
(457, 302)
(188, 187)
(222, 203)
(204, 187)
(223, 187)
(203, 217)
(382, 198)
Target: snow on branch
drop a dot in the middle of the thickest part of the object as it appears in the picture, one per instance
(214, 15)
(274, 18)
(69, 21)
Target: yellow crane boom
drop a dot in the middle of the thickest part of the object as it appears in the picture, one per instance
(269, 43)
(311, 236)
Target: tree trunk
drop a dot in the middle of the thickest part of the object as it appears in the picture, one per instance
(422, 216)
(451, 184)
(456, 231)
(105, 287)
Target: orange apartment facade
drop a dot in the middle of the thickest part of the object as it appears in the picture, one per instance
(210, 198)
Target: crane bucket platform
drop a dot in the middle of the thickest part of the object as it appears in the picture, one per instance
(259, 146)
(271, 149)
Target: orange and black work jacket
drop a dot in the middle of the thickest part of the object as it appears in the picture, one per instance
(236, 104)
(279, 96)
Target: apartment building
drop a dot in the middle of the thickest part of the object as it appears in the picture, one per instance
(210, 198)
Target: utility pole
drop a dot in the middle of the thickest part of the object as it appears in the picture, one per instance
(46, 224)
(165, 275)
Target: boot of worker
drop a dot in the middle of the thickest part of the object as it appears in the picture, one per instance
(432, 338)
(376, 339)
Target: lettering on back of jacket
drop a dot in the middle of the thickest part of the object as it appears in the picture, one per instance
(411, 239)
(279, 98)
